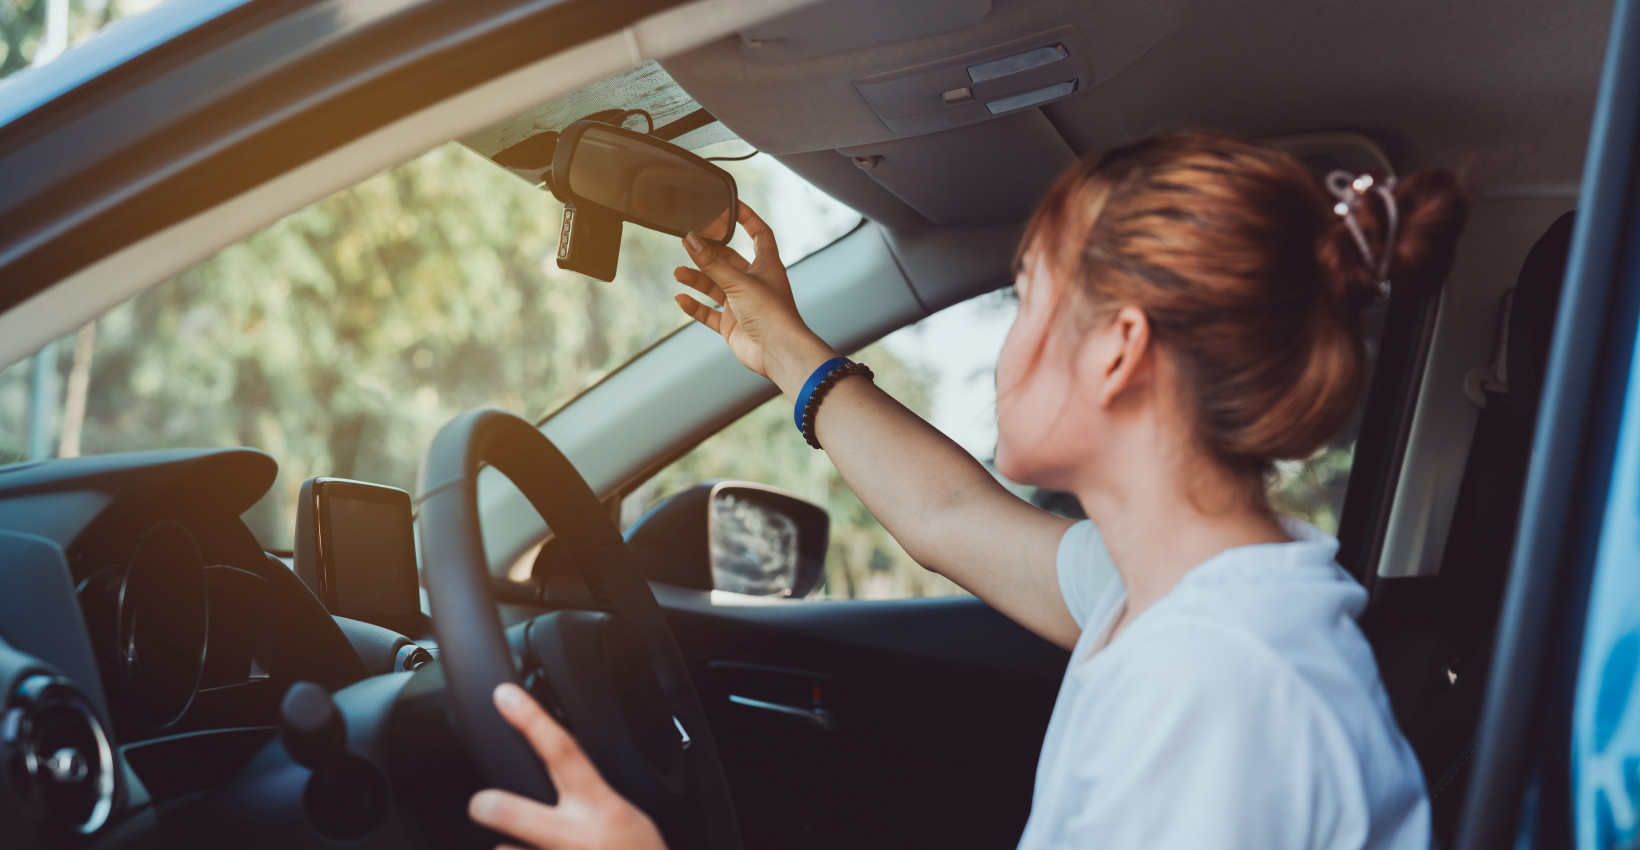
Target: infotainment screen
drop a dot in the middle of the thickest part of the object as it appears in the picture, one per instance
(361, 549)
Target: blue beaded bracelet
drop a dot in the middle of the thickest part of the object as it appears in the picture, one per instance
(811, 384)
(815, 388)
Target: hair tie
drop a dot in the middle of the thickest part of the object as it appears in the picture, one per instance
(1350, 191)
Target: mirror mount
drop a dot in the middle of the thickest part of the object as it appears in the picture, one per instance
(606, 175)
(589, 242)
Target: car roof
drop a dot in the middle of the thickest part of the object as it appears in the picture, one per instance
(1502, 91)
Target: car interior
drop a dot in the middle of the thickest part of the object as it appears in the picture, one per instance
(799, 722)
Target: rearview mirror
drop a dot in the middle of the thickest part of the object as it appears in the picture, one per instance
(644, 180)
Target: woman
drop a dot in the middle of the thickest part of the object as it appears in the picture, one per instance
(1190, 312)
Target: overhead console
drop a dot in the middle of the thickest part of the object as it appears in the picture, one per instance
(981, 84)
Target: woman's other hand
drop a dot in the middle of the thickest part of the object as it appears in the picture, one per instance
(589, 813)
(759, 318)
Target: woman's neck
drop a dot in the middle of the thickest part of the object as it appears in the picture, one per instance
(1156, 531)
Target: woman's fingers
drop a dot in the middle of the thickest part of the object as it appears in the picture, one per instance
(762, 235)
(572, 772)
(522, 818)
(719, 226)
(589, 814)
(700, 283)
(700, 312)
(715, 260)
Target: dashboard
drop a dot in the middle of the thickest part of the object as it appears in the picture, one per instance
(148, 645)
(145, 636)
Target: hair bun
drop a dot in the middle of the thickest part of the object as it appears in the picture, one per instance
(1430, 214)
(1249, 278)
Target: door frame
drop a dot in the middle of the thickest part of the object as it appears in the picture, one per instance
(1521, 772)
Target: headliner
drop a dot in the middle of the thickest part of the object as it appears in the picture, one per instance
(1501, 92)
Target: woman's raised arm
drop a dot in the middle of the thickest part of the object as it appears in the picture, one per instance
(946, 509)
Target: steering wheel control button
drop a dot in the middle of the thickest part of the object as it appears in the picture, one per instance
(311, 726)
(57, 755)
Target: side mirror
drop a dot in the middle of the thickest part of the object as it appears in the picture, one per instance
(736, 537)
(632, 177)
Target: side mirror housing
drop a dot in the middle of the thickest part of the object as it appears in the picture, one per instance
(737, 537)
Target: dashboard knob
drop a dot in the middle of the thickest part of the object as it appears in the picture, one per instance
(58, 757)
(68, 766)
(311, 726)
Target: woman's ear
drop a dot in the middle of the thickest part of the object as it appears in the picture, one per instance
(1119, 354)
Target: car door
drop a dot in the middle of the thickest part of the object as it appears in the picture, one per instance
(1555, 762)
(904, 723)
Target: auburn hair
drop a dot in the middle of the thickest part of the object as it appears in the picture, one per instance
(1248, 278)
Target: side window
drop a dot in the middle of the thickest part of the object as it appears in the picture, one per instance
(941, 368)
(1313, 489)
(944, 369)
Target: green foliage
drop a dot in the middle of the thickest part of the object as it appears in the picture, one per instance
(22, 22)
(1313, 490)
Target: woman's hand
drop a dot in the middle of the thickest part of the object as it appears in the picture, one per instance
(759, 318)
(589, 813)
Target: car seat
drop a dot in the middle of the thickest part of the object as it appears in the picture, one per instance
(1433, 634)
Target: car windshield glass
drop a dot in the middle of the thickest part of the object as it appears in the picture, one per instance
(341, 337)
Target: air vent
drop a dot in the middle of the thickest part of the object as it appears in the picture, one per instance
(57, 756)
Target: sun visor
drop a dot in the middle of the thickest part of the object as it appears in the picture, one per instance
(986, 173)
(980, 85)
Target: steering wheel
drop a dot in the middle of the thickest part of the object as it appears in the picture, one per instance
(614, 676)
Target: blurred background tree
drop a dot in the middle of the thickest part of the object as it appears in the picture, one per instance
(22, 25)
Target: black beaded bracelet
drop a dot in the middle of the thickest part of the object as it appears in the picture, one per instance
(820, 391)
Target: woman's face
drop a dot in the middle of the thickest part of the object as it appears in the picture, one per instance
(1041, 435)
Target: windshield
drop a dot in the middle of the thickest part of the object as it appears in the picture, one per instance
(340, 338)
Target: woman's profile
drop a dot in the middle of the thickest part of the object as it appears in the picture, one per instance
(1190, 313)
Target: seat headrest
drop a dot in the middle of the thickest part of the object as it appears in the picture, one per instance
(1532, 314)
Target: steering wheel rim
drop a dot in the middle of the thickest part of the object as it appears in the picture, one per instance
(473, 648)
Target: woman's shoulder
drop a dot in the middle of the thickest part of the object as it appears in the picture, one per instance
(1205, 681)
(1189, 652)
(1183, 670)
(1087, 576)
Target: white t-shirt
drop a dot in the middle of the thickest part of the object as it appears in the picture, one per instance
(1242, 710)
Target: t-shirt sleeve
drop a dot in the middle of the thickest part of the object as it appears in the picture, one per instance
(1208, 746)
(1085, 571)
